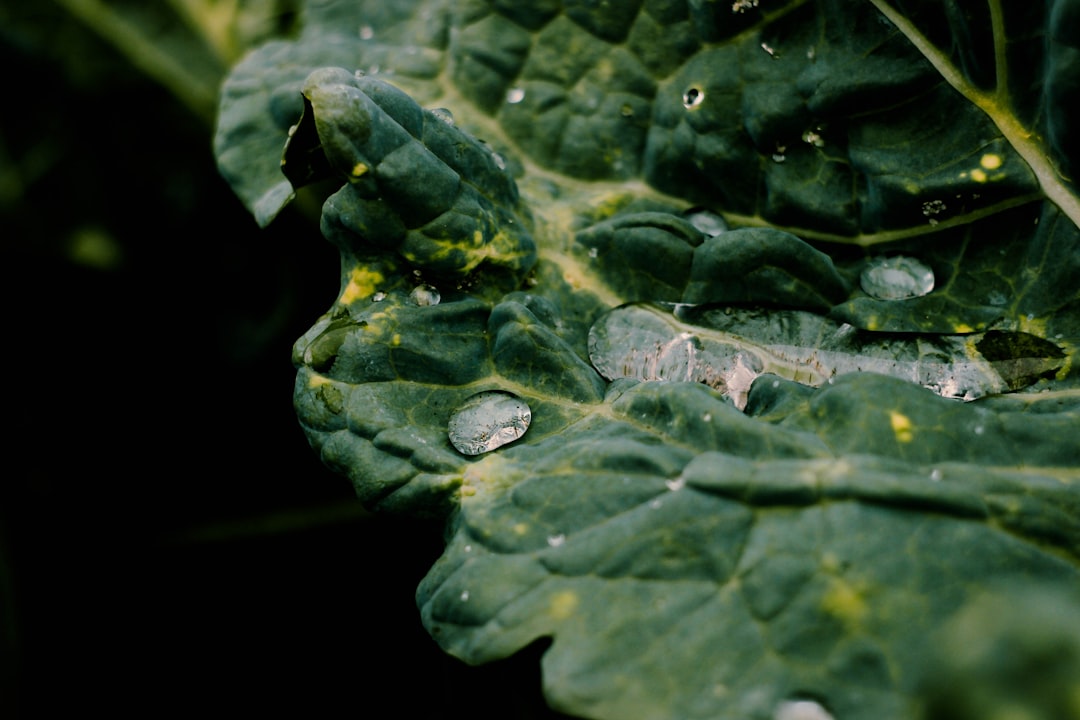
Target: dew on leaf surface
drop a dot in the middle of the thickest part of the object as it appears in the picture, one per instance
(424, 296)
(693, 97)
(443, 114)
(634, 342)
(813, 137)
(706, 221)
(488, 420)
(515, 95)
(896, 278)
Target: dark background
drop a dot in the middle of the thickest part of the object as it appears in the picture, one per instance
(168, 541)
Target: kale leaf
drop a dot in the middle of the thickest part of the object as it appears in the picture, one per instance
(778, 304)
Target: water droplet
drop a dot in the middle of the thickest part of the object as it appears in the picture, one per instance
(556, 540)
(487, 421)
(655, 504)
(801, 710)
(693, 97)
(468, 548)
(515, 95)
(636, 341)
(443, 114)
(367, 32)
(706, 221)
(424, 296)
(935, 474)
(378, 297)
(930, 208)
(464, 595)
(594, 253)
(979, 429)
(813, 137)
(896, 278)
(500, 161)
(769, 49)
(676, 484)
(707, 417)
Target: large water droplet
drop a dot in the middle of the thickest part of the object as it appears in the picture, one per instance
(645, 343)
(424, 296)
(515, 95)
(488, 420)
(896, 278)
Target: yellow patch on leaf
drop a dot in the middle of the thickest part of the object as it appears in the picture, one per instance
(901, 426)
(844, 602)
(362, 283)
(563, 604)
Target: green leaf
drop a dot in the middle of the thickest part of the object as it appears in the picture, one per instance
(749, 479)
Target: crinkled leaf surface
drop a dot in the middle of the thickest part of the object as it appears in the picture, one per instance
(540, 164)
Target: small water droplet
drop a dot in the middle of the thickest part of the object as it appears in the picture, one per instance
(693, 97)
(896, 278)
(930, 208)
(556, 540)
(801, 710)
(515, 95)
(443, 114)
(366, 32)
(769, 49)
(707, 417)
(424, 296)
(813, 137)
(464, 595)
(676, 484)
(468, 548)
(936, 474)
(594, 253)
(488, 420)
(655, 504)
(500, 161)
(979, 429)
(706, 221)
(378, 297)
